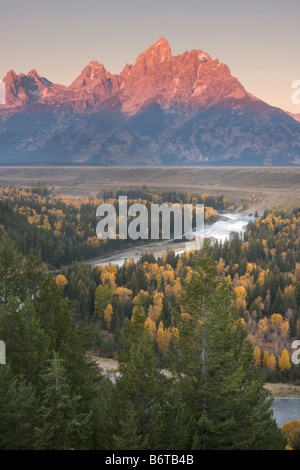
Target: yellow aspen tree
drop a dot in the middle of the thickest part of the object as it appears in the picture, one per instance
(177, 287)
(262, 326)
(265, 358)
(154, 310)
(158, 299)
(257, 357)
(179, 266)
(261, 278)
(240, 297)
(284, 328)
(291, 431)
(150, 325)
(123, 294)
(240, 292)
(168, 277)
(158, 280)
(163, 338)
(169, 268)
(221, 267)
(272, 363)
(241, 304)
(108, 313)
(164, 257)
(284, 361)
(276, 320)
(249, 268)
(61, 281)
(154, 269)
(188, 277)
(109, 278)
(209, 213)
(112, 268)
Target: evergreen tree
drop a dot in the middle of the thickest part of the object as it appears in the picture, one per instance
(129, 435)
(10, 276)
(54, 316)
(139, 387)
(63, 426)
(34, 319)
(297, 295)
(144, 399)
(26, 342)
(277, 306)
(213, 362)
(19, 412)
(32, 274)
(56, 320)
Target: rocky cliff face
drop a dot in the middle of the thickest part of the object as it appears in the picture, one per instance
(186, 109)
(191, 80)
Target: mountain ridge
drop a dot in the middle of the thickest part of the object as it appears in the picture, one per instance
(186, 109)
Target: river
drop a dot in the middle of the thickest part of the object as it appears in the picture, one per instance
(229, 222)
(285, 410)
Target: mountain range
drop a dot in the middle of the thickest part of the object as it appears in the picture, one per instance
(162, 110)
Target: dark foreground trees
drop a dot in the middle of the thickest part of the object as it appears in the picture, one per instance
(145, 400)
(212, 359)
(49, 392)
(51, 397)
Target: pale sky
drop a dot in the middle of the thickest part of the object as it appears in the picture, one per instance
(258, 39)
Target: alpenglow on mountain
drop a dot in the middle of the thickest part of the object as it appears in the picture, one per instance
(163, 110)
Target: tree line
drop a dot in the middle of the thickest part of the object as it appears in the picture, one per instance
(63, 229)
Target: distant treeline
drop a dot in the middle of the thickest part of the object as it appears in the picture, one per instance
(63, 230)
(217, 202)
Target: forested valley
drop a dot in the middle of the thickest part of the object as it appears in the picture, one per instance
(196, 334)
